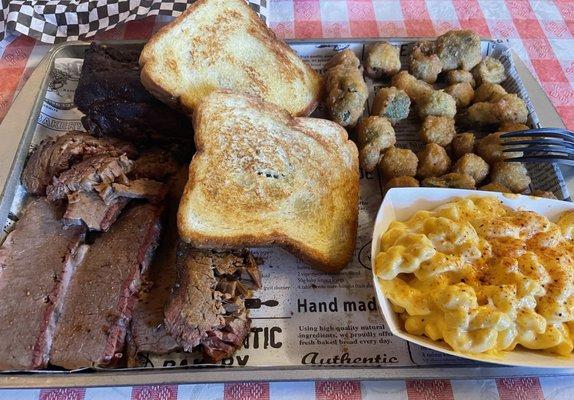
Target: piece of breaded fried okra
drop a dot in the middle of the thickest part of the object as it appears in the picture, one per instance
(347, 93)
(459, 49)
(391, 103)
(383, 59)
(490, 70)
(345, 57)
(438, 129)
(424, 64)
(374, 135)
(512, 175)
(402, 181)
(460, 76)
(488, 92)
(453, 180)
(510, 108)
(398, 162)
(462, 93)
(462, 144)
(433, 161)
(473, 165)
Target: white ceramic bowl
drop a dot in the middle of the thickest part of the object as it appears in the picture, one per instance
(400, 204)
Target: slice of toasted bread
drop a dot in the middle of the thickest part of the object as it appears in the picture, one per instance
(223, 44)
(262, 177)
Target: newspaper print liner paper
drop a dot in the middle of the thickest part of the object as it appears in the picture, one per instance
(289, 327)
(55, 21)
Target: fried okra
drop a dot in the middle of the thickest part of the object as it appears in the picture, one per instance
(438, 103)
(416, 89)
(453, 180)
(424, 64)
(398, 162)
(392, 103)
(433, 161)
(458, 49)
(488, 92)
(489, 148)
(460, 76)
(346, 94)
(512, 127)
(345, 57)
(510, 108)
(402, 181)
(545, 194)
(489, 70)
(374, 135)
(383, 59)
(438, 129)
(462, 144)
(462, 93)
(473, 165)
(513, 175)
(495, 187)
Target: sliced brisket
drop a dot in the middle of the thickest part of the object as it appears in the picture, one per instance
(147, 329)
(36, 263)
(55, 155)
(82, 177)
(98, 307)
(90, 209)
(115, 102)
(152, 191)
(207, 305)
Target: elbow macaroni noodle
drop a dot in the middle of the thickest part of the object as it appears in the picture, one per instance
(482, 277)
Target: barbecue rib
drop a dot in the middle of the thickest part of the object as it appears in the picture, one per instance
(36, 263)
(98, 307)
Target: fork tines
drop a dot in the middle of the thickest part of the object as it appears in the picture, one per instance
(542, 145)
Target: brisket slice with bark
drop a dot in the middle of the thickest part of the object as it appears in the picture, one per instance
(55, 155)
(36, 263)
(82, 177)
(92, 327)
(147, 333)
(207, 305)
(90, 209)
(115, 102)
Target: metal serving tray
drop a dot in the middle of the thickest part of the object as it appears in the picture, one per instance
(16, 132)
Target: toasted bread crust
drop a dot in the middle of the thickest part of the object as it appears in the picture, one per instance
(309, 82)
(329, 251)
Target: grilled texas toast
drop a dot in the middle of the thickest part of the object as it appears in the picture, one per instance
(261, 177)
(224, 44)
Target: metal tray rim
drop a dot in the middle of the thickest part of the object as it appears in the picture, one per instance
(181, 375)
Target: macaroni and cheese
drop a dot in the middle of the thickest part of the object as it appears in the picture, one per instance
(482, 277)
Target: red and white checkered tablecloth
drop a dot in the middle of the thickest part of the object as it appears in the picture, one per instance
(542, 33)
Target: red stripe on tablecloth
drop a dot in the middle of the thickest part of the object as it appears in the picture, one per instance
(154, 392)
(417, 19)
(567, 115)
(307, 19)
(338, 390)
(470, 16)
(530, 31)
(246, 391)
(62, 394)
(362, 19)
(519, 389)
(13, 65)
(140, 29)
(435, 389)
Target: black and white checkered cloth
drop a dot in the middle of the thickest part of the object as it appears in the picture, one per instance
(53, 21)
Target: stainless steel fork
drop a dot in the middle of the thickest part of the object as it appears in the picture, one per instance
(540, 145)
